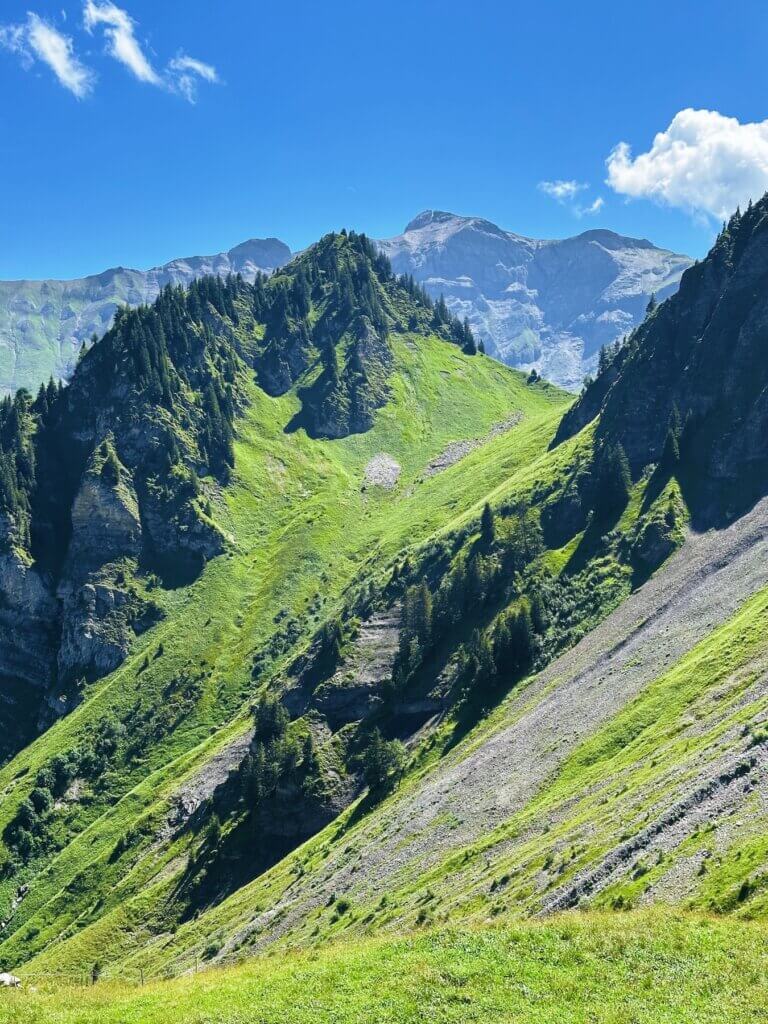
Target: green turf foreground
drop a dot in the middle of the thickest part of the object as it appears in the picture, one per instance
(590, 968)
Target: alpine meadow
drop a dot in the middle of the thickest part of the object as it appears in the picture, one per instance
(383, 617)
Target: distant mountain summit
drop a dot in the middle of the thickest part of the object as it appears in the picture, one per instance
(44, 323)
(537, 303)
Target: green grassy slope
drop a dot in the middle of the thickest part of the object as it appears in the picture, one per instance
(682, 727)
(609, 969)
(302, 526)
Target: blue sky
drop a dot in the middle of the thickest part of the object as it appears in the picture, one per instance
(137, 131)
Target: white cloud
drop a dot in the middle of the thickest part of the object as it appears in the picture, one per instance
(185, 63)
(562, 191)
(565, 192)
(704, 163)
(38, 40)
(184, 73)
(123, 45)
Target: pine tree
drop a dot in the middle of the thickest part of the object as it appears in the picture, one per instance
(613, 481)
(468, 337)
(487, 526)
(330, 364)
(670, 456)
(382, 761)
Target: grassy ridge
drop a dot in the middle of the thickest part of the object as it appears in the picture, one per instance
(573, 969)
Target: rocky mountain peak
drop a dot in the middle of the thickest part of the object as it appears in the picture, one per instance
(430, 217)
(612, 240)
(263, 253)
(544, 304)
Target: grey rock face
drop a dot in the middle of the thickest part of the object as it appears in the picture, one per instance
(26, 609)
(548, 305)
(28, 629)
(96, 613)
(44, 323)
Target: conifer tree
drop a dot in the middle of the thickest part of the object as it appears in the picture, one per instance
(487, 525)
(613, 480)
(382, 762)
(670, 456)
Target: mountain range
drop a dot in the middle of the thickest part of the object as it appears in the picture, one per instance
(322, 630)
(44, 324)
(544, 304)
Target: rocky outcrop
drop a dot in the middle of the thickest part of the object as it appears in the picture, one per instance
(354, 688)
(176, 535)
(28, 636)
(106, 532)
(654, 543)
(285, 358)
(105, 521)
(27, 613)
(700, 358)
(348, 405)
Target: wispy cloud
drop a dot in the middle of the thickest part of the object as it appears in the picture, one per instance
(182, 75)
(185, 72)
(562, 191)
(37, 40)
(119, 28)
(703, 162)
(566, 192)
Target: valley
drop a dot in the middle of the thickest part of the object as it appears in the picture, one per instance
(384, 583)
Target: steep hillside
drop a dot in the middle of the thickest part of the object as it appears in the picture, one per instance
(43, 324)
(100, 494)
(689, 389)
(545, 304)
(450, 648)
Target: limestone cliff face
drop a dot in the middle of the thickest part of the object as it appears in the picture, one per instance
(28, 634)
(95, 611)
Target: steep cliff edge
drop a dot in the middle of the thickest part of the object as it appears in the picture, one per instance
(693, 378)
(100, 490)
